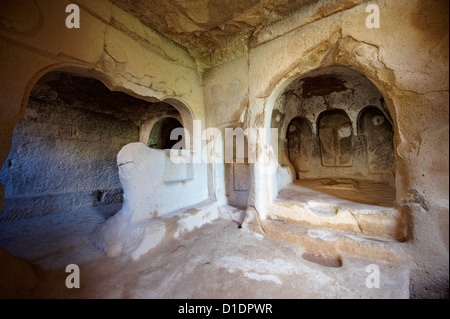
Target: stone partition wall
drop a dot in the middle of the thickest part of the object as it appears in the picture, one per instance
(161, 201)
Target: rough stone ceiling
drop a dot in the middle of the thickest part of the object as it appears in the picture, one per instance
(205, 26)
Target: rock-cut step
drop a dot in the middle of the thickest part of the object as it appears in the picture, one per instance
(331, 242)
(301, 205)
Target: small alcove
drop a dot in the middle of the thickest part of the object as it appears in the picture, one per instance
(160, 136)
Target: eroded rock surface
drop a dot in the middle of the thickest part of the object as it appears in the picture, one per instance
(213, 30)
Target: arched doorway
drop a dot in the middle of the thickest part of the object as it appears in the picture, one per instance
(160, 136)
(336, 136)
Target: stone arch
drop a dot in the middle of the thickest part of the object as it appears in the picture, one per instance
(341, 53)
(149, 125)
(186, 116)
(330, 77)
(88, 70)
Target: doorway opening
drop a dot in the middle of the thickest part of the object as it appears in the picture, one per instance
(160, 136)
(336, 136)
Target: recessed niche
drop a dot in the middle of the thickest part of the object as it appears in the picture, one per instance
(336, 139)
(323, 260)
(160, 136)
(378, 137)
(336, 134)
(237, 173)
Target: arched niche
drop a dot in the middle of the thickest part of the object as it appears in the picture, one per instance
(378, 134)
(300, 142)
(336, 139)
(335, 131)
(168, 106)
(160, 135)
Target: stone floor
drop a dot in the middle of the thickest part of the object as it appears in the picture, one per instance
(217, 261)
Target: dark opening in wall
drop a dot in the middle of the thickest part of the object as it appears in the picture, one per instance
(160, 136)
(335, 132)
(64, 149)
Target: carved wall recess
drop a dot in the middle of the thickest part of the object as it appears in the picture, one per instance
(335, 130)
(336, 139)
(301, 142)
(237, 177)
(160, 136)
(379, 143)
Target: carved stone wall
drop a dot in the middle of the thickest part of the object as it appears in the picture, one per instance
(111, 46)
